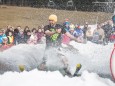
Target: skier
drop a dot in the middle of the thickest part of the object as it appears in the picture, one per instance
(53, 34)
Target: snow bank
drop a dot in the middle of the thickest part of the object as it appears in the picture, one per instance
(35, 78)
(28, 55)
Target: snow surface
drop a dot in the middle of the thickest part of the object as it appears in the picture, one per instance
(40, 78)
(94, 59)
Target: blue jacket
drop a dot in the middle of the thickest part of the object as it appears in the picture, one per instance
(1, 39)
(78, 32)
(113, 19)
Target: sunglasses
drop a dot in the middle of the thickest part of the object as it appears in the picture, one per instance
(50, 20)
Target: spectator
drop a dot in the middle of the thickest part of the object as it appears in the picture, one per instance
(5, 41)
(7, 30)
(113, 19)
(10, 38)
(33, 38)
(25, 32)
(16, 36)
(98, 34)
(85, 28)
(66, 22)
(40, 34)
(28, 36)
(21, 36)
(107, 31)
(78, 33)
(89, 34)
(72, 28)
(1, 37)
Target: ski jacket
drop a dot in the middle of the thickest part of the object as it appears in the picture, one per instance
(10, 39)
(100, 32)
(113, 19)
(1, 39)
(55, 39)
(78, 32)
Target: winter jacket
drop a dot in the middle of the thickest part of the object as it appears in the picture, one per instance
(89, 33)
(32, 39)
(113, 19)
(78, 32)
(1, 40)
(100, 31)
(10, 39)
(39, 36)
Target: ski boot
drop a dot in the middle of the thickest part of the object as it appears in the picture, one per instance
(78, 67)
(21, 68)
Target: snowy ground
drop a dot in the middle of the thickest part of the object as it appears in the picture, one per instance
(35, 78)
(94, 59)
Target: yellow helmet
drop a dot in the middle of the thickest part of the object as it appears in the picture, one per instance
(53, 17)
(78, 65)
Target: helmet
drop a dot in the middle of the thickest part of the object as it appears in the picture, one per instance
(53, 17)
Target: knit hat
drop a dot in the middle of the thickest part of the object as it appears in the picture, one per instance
(53, 17)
